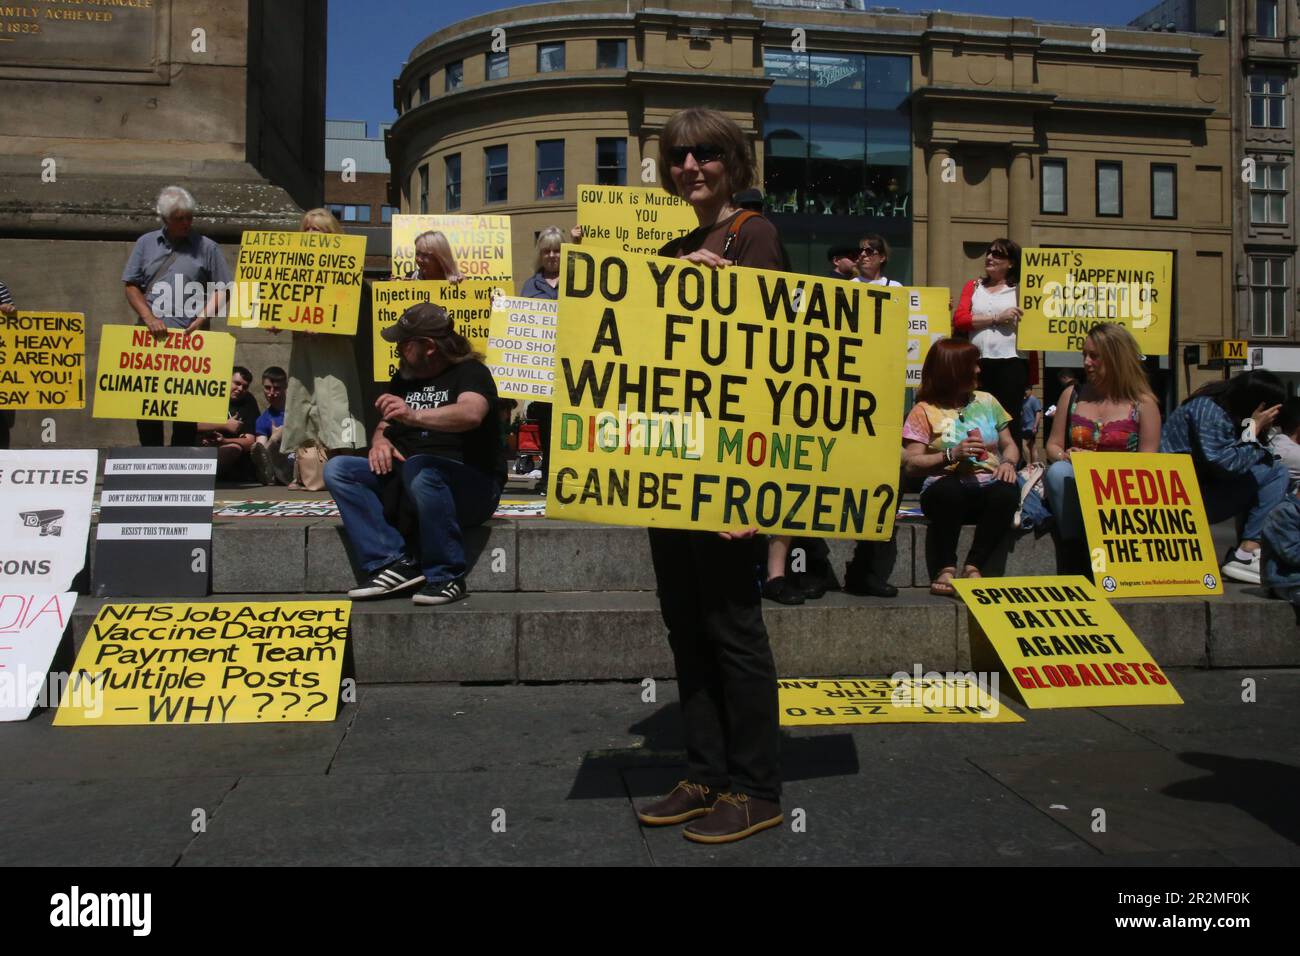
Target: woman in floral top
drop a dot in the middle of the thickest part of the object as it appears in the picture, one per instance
(960, 440)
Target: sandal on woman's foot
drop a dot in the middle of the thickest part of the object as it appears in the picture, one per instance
(942, 585)
(970, 571)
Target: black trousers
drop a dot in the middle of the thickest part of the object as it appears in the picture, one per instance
(6, 423)
(726, 677)
(184, 434)
(819, 554)
(950, 503)
(1006, 380)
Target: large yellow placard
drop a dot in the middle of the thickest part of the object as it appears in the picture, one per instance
(178, 377)
(1065, 292)
(725, 399)
(43, 360)
(1061, 643)
(929, 699)
(636, 219)
(228, 663)
(521, 347)
(468, 303)
(1146, 524)
(304, 281)
(928, 320)
(479, 244)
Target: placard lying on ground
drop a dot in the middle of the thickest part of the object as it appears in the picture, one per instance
(1065, 292)
(1146, 524)
(928, 320)
(468, 303)
(1061, 643)
(228, 663)
(929, 699)
(636, 219)
(31, 626)
(45, 500)
(521, 347)
(479, 244)
(304, 281)
(179, 377)
(155, 522)
(687, 397)
(43, 360)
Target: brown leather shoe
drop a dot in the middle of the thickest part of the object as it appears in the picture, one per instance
(685, 802)
(735, 816)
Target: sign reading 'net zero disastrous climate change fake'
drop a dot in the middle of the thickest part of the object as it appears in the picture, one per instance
(209, 664)
(1146, 524)
(479, 244)
(43, 360)
(304, 281)
(521, 347)
(926, 699)
(177, 377)
(636, 219)
(1061, 643)
(1065, 292)
(468, 304)
(688, 397)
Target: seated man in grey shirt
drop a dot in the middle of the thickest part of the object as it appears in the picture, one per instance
(1286, 434)
(156, 276)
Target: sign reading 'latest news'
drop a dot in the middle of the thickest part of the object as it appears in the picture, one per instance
(688, 397)
(1061, 643)
(43, 360)
(209, 664)
(479, 244)
(468, 305)
(304, 281)
(521, 347)
(1146, 524)
(637, 219)
(179, 377)
(45, 501)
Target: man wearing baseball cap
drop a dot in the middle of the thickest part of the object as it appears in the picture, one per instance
(844, 262)
(439, 438)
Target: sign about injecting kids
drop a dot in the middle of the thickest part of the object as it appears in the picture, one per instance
(521, 347)
(636, 219)
(1065, 292)
(479, 244)
(210, 664)
(43, 360)
(468, 305)
(1146, 524)
(303, 281)
(181, 376)
(687, 397)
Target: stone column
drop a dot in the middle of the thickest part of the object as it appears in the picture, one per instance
(938, 228)
(1020, 197)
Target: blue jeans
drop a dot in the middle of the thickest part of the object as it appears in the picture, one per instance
(448, 496)
(1063, 497)
(1255, 494)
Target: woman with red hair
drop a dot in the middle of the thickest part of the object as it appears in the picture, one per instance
(960, 440)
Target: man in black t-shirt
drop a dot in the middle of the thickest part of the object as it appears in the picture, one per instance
(234, 437)
(439, 436)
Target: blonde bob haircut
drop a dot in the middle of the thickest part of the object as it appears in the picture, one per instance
(322, 219)
(436, 243)
(548, 240)
(698, 126)
(1124, 379)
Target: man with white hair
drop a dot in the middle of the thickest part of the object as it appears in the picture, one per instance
(162, 263)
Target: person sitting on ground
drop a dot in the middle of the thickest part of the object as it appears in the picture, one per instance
(1284, 442)
(1221, 426)
(1113, 409)
(959, 439)
(1280, 552)
(233, 438)
(272, 463)
(441, 439)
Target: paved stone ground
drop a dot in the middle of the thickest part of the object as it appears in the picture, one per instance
(412, 774)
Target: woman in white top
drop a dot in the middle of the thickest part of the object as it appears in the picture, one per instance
(989, 314)
(872, 255)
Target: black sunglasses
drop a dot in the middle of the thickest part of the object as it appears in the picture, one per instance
(703, 153)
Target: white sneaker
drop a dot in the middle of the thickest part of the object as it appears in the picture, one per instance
(1239, 570)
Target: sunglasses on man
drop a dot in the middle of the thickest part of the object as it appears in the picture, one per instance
(703, 153)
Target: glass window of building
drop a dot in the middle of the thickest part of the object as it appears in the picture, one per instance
(550, 169)
(455, 75)
(453, 182)
(611, 54)
(1052, 186)
(1267, 93)
(496, 169)
(424, 189)
(346, 212)
(424, 89)
(550, 57)
(1266, 18)
(1268, 195)
(611, 162)
(1164, 191)
(498, 65)
(386, 214)
(1110, 189)
(1268, 296)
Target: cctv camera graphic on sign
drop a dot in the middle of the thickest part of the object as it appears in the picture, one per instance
(47, 521)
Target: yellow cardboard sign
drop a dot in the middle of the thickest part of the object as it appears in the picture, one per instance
(303, 281)
(479, 244)
(468, 303)
(1065, 292)
(43, 360)
(636, 219)
(687, 397)
(521, 347)
(228, 663)
(180, 377)
(929, 699)
(1146, 524)
(928, 320)
(1061, 643)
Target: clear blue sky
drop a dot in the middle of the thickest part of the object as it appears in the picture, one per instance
(369, 39)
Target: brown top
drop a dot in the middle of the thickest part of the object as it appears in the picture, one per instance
(756, 246)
